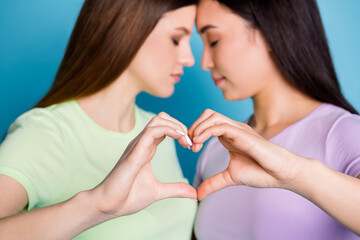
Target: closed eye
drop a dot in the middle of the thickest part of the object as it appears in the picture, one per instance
(213, 44)
(176, 42)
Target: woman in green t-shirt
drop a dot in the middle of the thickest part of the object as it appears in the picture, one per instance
(117, 50)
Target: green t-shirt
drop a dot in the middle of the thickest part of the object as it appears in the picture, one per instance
(58, 151)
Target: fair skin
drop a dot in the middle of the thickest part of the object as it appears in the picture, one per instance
(153, 70)
(113, 108)
(239, 60)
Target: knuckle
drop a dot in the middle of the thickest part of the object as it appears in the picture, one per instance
(216, 115)
(162, 114)
(208, 110)
(155, 119)
(184, 128)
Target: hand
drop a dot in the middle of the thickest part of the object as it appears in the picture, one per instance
(254, 161)
(131, 185)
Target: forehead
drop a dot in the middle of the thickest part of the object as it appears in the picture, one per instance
(211, 12)
(184, 16)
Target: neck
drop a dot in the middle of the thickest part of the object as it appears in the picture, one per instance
(112, 108)
(278, 106)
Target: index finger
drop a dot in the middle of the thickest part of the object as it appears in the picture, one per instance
(239, 138)
(204, 115)
(169, 118)
(213, 120)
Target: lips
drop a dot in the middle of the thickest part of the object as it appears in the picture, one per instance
(177, 76)
(217, 81)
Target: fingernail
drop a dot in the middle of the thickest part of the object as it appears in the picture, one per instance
(180, 132)
(189, 147)
(188, 140)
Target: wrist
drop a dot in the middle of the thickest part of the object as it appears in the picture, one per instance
(91, 203)
(309, 173)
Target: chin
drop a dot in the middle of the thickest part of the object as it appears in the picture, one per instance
(229, 97)
(164, 93)
(233, 97)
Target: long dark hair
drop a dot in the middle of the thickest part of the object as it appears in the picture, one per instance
(295, 33)
(105, 39)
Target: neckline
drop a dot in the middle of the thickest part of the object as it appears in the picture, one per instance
(318, 108)
(120, 135)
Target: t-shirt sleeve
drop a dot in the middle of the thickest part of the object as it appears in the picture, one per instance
(29, 155)
(342, 145)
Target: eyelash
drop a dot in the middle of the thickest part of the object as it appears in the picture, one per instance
(176, 42)
(213, 44)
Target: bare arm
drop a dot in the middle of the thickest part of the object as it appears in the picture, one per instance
(336, 193)
(61, 221)
(13, 197)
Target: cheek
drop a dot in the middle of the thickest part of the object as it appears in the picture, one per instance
(159, 52)
(245, 61)
(160, 58)
(231, 58)
(155, 63)
(245, 66)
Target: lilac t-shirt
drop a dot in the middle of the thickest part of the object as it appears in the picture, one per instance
(329, 134)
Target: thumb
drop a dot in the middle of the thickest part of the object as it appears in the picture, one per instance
(176, 190)
(213, 184)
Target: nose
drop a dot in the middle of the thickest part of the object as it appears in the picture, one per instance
(206, 60)
(187, 58)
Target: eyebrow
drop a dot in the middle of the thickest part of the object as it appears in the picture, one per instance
(185, 30)
(205, 28)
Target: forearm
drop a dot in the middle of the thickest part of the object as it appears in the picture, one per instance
(61, 221)
(336, 193)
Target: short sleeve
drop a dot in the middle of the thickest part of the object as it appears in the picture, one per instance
(342, 145)
(353, 168)
(33, 154)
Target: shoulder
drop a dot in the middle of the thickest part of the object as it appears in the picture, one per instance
(340, 122)
(344, 132)
(33, 152)
(333, 126)
(38, 125)
(325, 116)
(326, 122)
(342, 143)
(40, 118)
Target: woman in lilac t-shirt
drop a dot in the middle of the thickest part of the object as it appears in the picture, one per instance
(296, 161)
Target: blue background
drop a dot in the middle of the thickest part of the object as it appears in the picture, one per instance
(34, 35)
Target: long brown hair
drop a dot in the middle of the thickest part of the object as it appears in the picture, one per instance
(105, 39)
